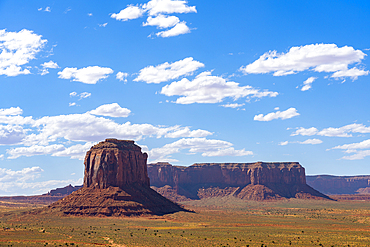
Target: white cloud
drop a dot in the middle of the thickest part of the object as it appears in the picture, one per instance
(308, 141)
(88, 75)
(353, 73)
(29, 173)
(235, 105)
(83, 95)
(305, 132)
(48, 135)
(291, 112)
(103, 25)
(318, 57)
(307, 84)
(111, 110)
(353, 146)
(17, 49)
(89, 14)
(129, 13)
(206, 88)
(76, 151)
(48, 65)
(72, 104)
(359, 155)
(344, 131)
(186, 132)
(11, 134)
(180, 28)
(34, 150)
(283, 143)
(162, 21)
(121, 76)
(311, 141)
(1, 156)
(168, 71)
(12, 111)
(155, 7)
(155, 10)
(196, 145)
(47, 9)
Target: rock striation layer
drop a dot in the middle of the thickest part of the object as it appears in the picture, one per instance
(250, 181)
(339, 185)
(116, 183)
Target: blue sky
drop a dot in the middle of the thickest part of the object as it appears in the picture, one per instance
(189, 81)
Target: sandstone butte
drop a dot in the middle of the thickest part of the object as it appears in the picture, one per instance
(116, 183)
(249, 181)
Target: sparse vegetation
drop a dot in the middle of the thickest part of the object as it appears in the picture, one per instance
(214, 223)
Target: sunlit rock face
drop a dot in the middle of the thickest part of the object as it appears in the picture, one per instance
(115, 163)
(250, 181)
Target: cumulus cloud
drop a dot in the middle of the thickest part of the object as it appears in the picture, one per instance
(111, 110)
(155, 7)
(204, 146)
(17, 49)
(283, 143)
(186, 132)
(76, 151)
(156, 10)
(291, 112)
(34, 150)
(317, 57)
(354, 148)
(168, 71)
(48, 65)
(70, 135)
(88, 75)
(206, 88)
(28, 173)
(307, 84)
(12, 111)
(121, 76)
(129, 13)
(162, 21)
(344, 131)
(180, 28)
(11, 134)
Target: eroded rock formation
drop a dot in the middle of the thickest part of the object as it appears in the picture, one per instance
(115, 163)
(339, 185)
(251, 181)
(116, 183)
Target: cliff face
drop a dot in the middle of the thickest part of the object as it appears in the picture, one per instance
(271, 180)
(337, 185)
(115, 163)
(231, 174)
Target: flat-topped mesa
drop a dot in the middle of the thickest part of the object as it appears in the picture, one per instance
(252, 181)
(231, 174)
(115, 163)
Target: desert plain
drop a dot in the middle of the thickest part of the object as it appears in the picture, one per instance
(224, 221)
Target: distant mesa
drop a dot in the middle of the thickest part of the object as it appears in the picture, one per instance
(116, 183)
(249, 181)
(339, 185)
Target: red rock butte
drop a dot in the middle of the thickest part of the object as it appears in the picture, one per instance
(116, 183)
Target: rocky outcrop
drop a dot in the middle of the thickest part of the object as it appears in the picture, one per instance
(115, 163)
(339, 185)
(116, 183)
(250, 181)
